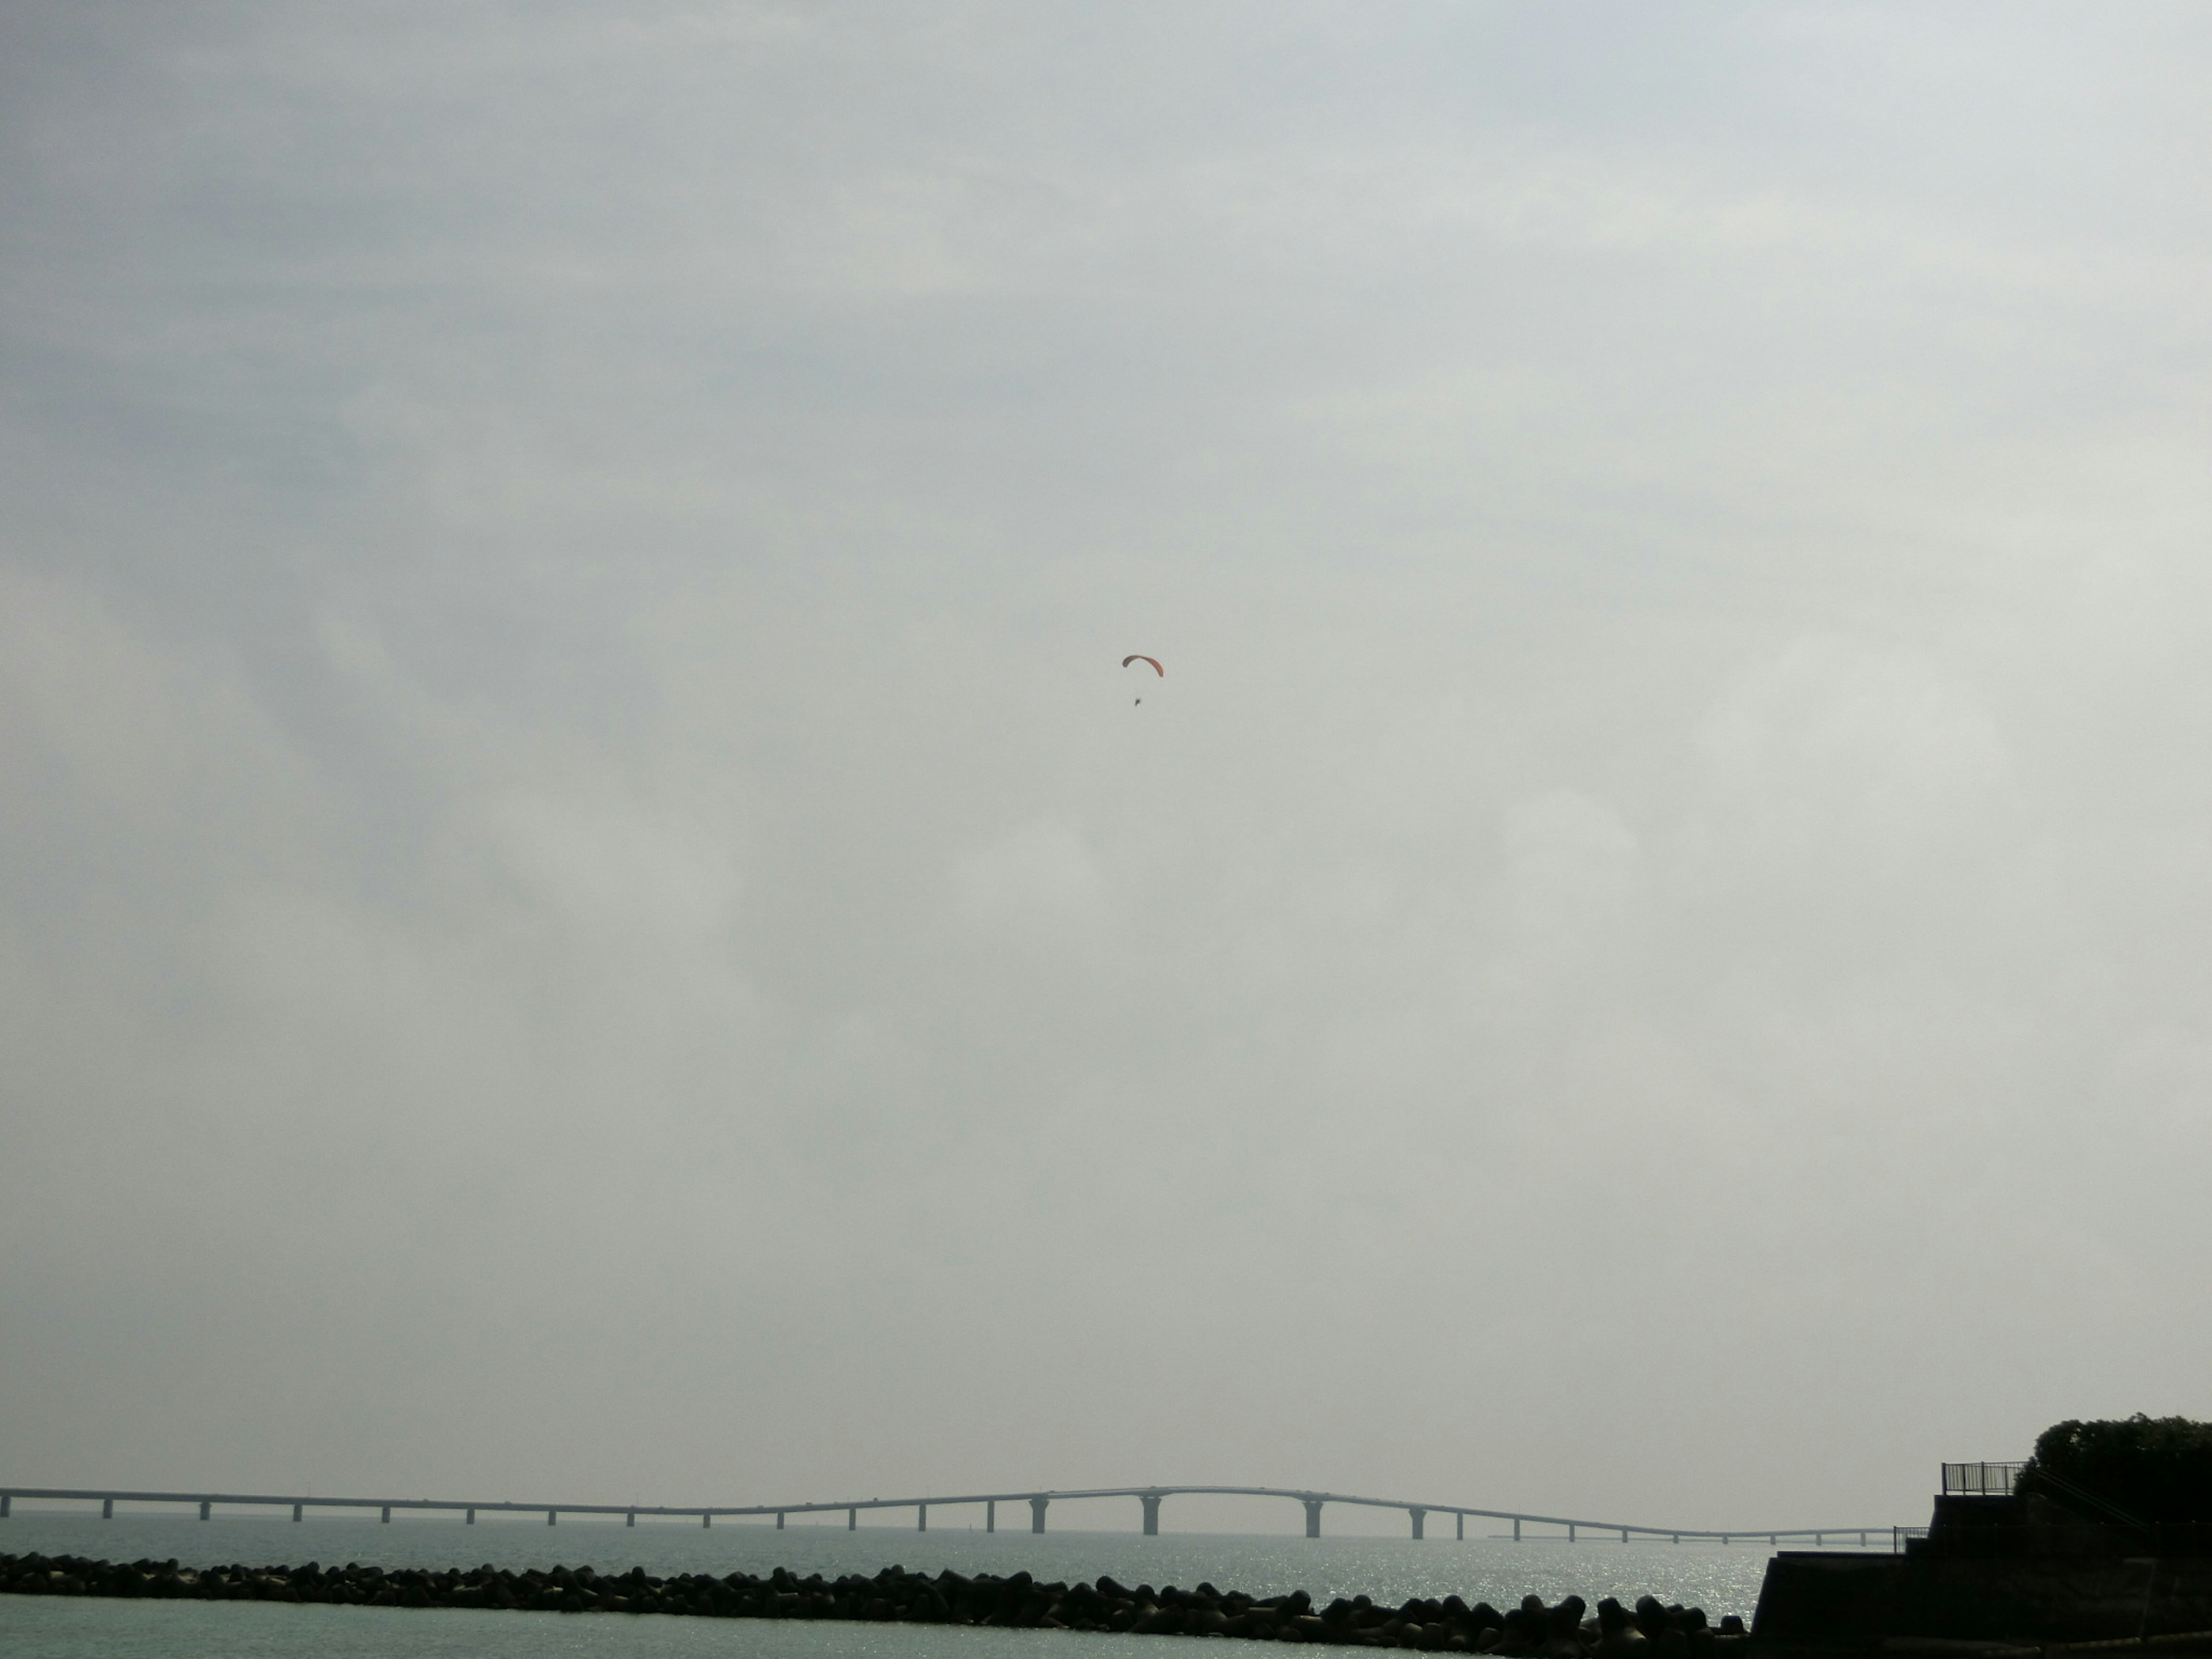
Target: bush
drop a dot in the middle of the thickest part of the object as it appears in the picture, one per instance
(2157, 1468)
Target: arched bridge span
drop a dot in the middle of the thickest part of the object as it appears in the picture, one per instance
(1149, 1497)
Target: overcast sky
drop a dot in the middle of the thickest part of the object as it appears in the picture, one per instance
(587, 910)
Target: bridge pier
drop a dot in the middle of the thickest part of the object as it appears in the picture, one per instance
(1149, 1497)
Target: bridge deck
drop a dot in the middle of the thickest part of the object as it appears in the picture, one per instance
(1034, 1495)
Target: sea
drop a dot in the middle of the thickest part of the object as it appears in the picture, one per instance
(1721, 1579)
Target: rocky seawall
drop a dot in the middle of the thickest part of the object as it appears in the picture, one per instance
(1568, 1629)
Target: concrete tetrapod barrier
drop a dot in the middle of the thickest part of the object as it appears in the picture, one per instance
(1530, 1630)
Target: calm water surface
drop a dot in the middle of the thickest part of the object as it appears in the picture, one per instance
(1718, 1578)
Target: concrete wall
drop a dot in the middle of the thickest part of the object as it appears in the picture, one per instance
(1834, 1601)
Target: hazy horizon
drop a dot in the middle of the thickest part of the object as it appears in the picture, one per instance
(586, 910)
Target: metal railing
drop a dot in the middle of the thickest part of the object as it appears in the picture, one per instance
(1981, 1479)
(2094, 1505)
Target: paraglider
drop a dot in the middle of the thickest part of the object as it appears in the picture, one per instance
(1138, 656)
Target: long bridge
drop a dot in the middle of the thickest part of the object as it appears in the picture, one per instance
(1149, 1497)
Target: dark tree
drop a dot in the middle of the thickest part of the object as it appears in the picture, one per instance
(2155, 1468)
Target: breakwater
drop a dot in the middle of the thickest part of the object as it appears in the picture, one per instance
(1566, 1630)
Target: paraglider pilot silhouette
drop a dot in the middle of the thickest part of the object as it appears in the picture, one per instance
(1139, 657)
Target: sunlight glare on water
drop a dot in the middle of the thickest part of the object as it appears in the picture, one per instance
(48, 1627)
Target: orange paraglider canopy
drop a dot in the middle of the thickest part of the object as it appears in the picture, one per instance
(1139, 657)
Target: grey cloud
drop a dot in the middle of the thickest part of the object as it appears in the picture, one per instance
(583, 904)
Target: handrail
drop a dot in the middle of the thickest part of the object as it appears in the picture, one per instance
(2103, 1506)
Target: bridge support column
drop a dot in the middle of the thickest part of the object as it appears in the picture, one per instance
(852, 1520)
(1516, 1528)
(1036, 1513)
(1624, 1534)
(1152, 1503)
(629, 1518)
(921, 1518)
(1459, 1528)
(107, 1509)
(1313, 1516)
(991, 1515)
(779, 1520)
(1570, 1532)
(1772, 1542)
(298, 1510)
(385, 1517)
(1820, 1540)
(472, 1517)
(552, 1517)
(1420, 1516)
(204, 1507)
(7, 1502)
(706, 1518)
(1862, 1535)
